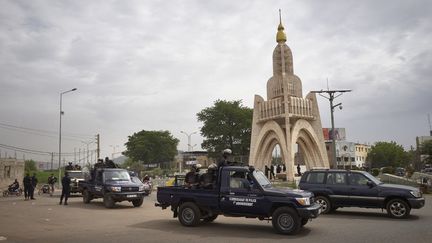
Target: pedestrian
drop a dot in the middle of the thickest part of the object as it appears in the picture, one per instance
(33, 181)
(298, 170)
(27, 185)
(278, 169)
(65, 188)
(266, 171)
(51, 181)
(272, 174)
(283, 168)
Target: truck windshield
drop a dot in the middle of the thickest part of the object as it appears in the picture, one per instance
(372, 178)
(262, 179)
(116, 176)
(76, 174)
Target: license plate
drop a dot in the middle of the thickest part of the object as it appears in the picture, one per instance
(131, 195)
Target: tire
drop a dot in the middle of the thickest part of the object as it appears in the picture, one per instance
(189, 214)
(286, 221)
(138, 202)
(210, 218)
(304, 221)
(86, 196)
(5, 193)
(19, 193)
(108, 201)
(398, 208)
(325, 204)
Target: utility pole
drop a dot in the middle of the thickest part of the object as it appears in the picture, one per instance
(52, 160)
(98, 145)
(333, 94)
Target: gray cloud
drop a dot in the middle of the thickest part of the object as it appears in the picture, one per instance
(155, 64)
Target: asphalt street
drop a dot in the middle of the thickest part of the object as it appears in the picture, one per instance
(43, 220)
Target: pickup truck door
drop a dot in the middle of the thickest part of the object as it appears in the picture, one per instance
(98, 185)
(239, 196)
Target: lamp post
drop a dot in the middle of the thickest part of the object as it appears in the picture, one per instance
(61, 113)
(189, 139)
(114, 150)
(331, 97)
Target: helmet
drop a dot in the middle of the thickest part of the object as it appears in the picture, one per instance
(227, 151)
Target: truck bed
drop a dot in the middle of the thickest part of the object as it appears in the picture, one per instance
(171, 196)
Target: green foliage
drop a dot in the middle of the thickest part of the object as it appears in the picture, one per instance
(388, 170)
(130, 164)
(387, 154)
(227, 124)
(375, 171)
(426, 149)
(30, 166)
(151, 146)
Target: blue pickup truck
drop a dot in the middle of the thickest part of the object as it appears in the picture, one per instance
(240, 191)
(113, 185)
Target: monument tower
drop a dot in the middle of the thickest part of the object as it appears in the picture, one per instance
(286, 118)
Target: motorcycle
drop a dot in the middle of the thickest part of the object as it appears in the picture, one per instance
(17, 192)
(45, 189)
(148, 186)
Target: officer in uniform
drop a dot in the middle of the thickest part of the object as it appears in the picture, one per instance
(66, 188)
(224, 160)
(191, 178)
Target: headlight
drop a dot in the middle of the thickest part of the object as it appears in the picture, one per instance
(141, 188)
(304, 201)
(116, 189)
(416, 193)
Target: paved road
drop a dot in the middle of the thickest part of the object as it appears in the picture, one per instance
(43, 220)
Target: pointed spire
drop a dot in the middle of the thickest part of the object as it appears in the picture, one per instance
(280, 36)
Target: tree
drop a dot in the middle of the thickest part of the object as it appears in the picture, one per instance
(30, 166)
(227, 124)
(151, 147)
(132, 165)
(426, 149)
(387, 154)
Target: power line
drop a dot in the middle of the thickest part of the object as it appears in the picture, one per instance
(43, 132)
(37, 152)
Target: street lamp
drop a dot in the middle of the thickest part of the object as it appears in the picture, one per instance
(331, 97)
(61, 113)
(189, 139)
(114, 150)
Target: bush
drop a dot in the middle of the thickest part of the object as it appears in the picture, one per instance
(388, 170)
(375, 171)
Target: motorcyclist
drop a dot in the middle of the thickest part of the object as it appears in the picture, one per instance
(14, 186)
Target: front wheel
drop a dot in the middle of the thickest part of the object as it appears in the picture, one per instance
(138, 202)
(398, 208)
(86, 196)
(286, 221)
(5, 193)
(325, 204)
(108, 201)
(189, 214)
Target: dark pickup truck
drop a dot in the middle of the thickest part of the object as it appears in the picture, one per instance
(113, 185)
(240, 191)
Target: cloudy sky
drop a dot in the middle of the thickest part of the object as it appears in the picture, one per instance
(154, 64)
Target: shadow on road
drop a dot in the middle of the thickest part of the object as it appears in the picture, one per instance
(366, 215)
(216, 230)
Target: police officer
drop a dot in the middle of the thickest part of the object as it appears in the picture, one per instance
(33, 182)
(191, 178)
(66, 188)
(27, 185)
(208, 179)
(224, 160)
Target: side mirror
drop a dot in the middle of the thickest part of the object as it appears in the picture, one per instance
(370, 184)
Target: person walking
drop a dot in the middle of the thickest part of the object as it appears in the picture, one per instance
(266, 170)
(51, 181)
(33, 181)
(27, 185)
(299, 170)
(272, 174)
(65, 188)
